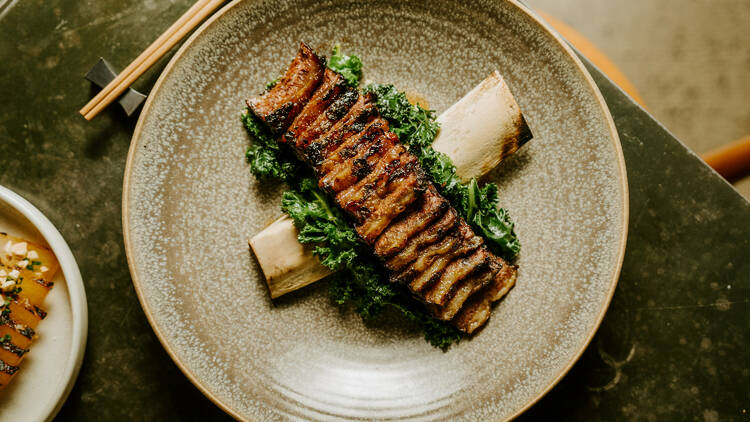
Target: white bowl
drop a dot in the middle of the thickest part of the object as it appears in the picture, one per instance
(50, 369)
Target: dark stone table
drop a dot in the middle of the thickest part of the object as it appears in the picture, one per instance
(673, 346)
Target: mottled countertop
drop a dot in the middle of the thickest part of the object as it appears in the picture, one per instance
(673, 345)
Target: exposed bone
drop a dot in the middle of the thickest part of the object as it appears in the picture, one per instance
(287, 264)
(482, 128)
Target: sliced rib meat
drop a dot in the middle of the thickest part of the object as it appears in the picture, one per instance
(279, 106)
(432, 206)
(428, 236)
(354, 121)
(329, 90)
(476, 310)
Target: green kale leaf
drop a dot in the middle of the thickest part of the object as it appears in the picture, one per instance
(322, 223)
(350, 67)
(494, 223)
(414, 125)
(268, 160)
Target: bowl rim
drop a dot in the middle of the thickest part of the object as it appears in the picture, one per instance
(76, 294)
(590, 84)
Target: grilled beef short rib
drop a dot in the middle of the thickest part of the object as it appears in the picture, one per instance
(418, 236)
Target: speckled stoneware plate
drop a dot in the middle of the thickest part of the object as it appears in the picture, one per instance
(49, 371)
(190, 205)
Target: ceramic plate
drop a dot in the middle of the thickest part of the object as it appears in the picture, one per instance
(50, 369)
(190, 205)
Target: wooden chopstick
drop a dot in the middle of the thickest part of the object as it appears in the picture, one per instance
(187, 22)
(143, 56)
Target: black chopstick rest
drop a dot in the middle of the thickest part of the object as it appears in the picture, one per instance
(102, 73)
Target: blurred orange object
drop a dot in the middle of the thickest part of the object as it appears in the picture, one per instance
(731, 161)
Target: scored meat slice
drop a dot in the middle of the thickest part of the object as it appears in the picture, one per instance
(279, 106)
(329, 90)
(354, 121)
(448, 246)
(476, 310)
(326, 120)
(361, 164)
(355, 197)
(349, 147)
(431, 234)
(365, 162)
(395, 237)
(379, 183)
(390, 207)
(470, 286)
(454, 273)
(428, 278)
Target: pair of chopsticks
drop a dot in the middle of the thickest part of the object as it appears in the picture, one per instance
(187, 22)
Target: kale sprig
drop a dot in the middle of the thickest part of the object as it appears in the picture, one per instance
(350, 67)
(414, 125)
(268, 160)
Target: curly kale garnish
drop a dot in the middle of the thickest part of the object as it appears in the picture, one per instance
(350, 67)
(268, 159)
(414, 125)
(322, 223)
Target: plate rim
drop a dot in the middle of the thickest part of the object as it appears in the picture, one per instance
(76, 292)
(590, 85)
